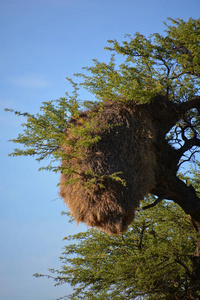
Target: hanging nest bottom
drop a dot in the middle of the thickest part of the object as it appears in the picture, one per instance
(126, 148)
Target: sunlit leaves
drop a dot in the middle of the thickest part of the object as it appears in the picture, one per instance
(44, 132)
(167, 64)
(142, 262)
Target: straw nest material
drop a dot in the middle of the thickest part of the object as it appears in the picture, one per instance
(126, 146)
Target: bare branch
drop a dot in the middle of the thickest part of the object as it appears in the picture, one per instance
(155, 202)
(177, 75)
(189, 143)
(188, 158)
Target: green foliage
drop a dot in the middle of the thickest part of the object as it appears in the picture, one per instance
(168, 64)
(152, 260)
(183, 39)
(44, 132)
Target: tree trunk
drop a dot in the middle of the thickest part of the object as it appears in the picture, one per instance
(195, 281)
(172, 188)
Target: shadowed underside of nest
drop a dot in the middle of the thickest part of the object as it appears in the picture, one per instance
(126, 148)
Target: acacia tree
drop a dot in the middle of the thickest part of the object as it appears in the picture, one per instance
(153, 123)
(151, 260)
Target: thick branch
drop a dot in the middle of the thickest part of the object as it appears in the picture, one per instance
(189, 143)
(193, 103)
(180, 193)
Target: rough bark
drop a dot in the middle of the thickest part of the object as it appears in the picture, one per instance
(170, 186)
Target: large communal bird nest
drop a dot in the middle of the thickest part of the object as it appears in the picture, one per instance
(113, 173)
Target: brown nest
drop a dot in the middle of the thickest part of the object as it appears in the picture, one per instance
(126, 148)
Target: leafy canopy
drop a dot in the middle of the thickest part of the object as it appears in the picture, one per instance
(168, 64)
(153, 259)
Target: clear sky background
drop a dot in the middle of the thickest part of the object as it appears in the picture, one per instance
(43, 42)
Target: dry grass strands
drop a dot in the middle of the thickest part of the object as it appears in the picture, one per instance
(126, 145)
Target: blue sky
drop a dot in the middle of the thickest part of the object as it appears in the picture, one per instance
(42, 43)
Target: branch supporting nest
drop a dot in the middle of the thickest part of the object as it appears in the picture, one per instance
(131, 142)
(159, 199)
